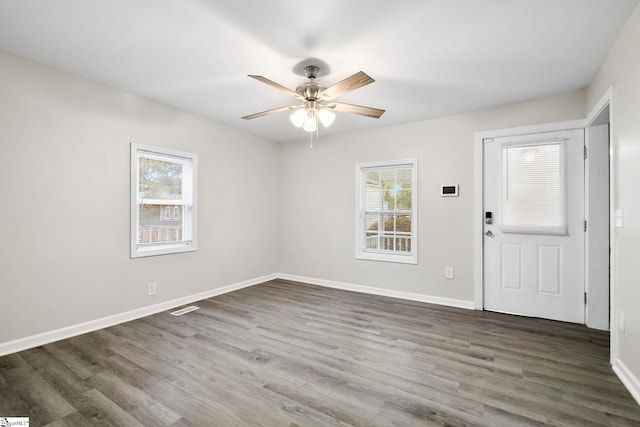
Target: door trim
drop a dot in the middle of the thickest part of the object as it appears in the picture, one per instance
(606, 100)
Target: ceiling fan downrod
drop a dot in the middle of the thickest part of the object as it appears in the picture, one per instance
(310, 90)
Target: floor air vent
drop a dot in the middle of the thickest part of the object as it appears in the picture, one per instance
(185, 310)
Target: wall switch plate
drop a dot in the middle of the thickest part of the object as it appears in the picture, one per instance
(619, 218)
(448, 272)
(621, 320)
(151, 288)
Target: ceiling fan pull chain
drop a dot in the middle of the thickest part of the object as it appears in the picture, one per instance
(316, 132)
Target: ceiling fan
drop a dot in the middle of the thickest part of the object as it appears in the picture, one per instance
(317, 104)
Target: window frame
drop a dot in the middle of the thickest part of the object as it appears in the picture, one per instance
(361, 251)
(189, 202)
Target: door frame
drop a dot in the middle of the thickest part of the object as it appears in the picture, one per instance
(597, 112)
(478, 225)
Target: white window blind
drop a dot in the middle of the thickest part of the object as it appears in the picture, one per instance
(534, 188)
(163, 201)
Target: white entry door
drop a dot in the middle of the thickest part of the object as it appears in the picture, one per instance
(534, 225)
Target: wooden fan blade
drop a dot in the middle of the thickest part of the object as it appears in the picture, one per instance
(356, 81)
(277, 86)
(275, 110)
(356, 109)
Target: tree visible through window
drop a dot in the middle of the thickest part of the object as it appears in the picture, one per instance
(163, 201)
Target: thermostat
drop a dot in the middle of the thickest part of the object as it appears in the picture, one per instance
(449, 191)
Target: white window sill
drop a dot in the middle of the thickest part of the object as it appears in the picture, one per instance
(140, 252)
(400, 259)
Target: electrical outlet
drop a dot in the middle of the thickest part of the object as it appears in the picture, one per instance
(448, 272)
(151, 288)
(621, 320)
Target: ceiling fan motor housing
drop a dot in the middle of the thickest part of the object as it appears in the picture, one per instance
(309, 91)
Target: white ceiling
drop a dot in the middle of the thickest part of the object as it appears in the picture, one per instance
(429, 58)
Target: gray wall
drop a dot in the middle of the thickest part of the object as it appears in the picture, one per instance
(317, 197)
(621, 70)
(64, 145)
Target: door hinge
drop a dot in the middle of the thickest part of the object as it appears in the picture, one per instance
(585, 298)
(585, 225)
(585, 152)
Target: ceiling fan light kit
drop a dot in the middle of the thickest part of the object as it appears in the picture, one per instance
(326, 117)
(316, 107)
(308, 117)
(311, 122)
(298, 117)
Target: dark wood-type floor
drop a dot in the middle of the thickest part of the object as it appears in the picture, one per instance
(283, 354)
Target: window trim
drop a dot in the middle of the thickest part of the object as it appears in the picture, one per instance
(360, 248)
(190, 221)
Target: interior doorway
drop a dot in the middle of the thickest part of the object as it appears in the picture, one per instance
(597, 213)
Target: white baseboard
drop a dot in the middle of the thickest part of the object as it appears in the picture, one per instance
(469, 305)
(105, 322)
(630, 381)
(93, 325)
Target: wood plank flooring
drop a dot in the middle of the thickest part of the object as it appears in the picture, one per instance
(286, 354)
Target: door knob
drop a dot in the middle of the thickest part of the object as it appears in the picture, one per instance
(488, 233)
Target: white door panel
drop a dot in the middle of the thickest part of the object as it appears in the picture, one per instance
(534, 268)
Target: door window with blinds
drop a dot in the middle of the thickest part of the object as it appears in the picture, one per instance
(386, 213)
(534, 188)
(163, 196)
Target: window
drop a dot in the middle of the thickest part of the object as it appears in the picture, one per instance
(534, 188)
(386, 212)
(163, 201)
